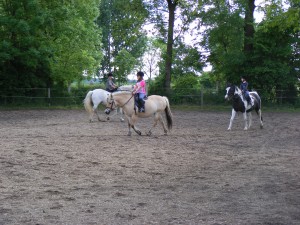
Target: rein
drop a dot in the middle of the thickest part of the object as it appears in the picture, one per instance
(127, 101)
(113, 102)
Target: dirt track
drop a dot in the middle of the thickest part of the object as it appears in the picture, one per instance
(56, 168)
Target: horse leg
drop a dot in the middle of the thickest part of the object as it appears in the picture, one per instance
(233, 113)
(131, 122)
(156, 118)
(119, 110)
(91, 116)
(92, 112)
(260, 119)
(250, 119)
(245, 120)
(163, 124)
(129, 128)
(96, 112)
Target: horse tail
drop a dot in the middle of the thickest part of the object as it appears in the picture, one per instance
(88, 104)
(168, 114)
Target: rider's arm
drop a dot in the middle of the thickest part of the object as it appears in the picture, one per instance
(136, 88)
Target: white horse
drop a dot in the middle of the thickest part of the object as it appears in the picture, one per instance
(154, 106)
(99, 96)
(240, 104)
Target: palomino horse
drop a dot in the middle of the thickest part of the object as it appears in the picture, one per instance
(154, 106)
(99, 96)
(240, 104)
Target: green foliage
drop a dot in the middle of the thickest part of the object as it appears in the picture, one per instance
(187, 61)
(157, 87)
(24, 61)
(185, 86)
(43, 42)
(75, 38)
(273, 68)
(224, 40)
(124, 64)
(121, 22)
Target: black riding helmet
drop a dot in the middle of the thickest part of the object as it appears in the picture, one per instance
(140, 73)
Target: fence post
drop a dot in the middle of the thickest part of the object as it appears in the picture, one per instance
(201, 97)
(49, 97)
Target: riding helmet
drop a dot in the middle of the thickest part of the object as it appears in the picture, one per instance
(140, 73)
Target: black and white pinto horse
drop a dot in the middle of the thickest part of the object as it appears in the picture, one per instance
(240, 104)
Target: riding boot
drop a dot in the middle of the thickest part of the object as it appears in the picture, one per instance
(141, 105)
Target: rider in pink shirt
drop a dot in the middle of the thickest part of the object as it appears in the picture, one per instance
(139, 91)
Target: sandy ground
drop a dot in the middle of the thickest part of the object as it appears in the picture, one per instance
(56, 168)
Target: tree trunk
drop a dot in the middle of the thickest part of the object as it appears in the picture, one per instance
(172, 7)
(249, 27)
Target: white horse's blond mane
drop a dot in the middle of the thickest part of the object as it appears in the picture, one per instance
(121, 93)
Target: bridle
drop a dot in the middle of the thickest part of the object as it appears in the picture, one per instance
(234, 94)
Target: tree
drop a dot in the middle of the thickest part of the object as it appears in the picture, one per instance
(149, 61)
(177, 10)
(43, 42)
(249, 26)
(74, 38)
(24, 60)
(172, 7)
(275, 53)
(223, 39)
(121, 22)
(123, 64)
(187, 61)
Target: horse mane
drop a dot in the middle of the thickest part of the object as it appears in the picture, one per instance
(121, 93)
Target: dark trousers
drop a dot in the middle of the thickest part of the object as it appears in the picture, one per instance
(139, 100)
(111, 91)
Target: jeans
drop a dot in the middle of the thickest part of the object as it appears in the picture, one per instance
(247, 95)
(139, 100)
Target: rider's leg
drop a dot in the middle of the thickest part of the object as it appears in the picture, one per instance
(248, 98)
(141, 102)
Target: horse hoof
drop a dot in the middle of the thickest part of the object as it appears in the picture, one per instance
(139, 132)
(108, 118)
(149, 133)
(245, 128)
(229, 129)
(129, 134)
(122, 120)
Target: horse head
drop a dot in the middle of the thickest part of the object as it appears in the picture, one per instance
(230, 92)
(110, 104)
